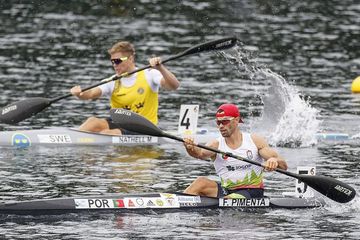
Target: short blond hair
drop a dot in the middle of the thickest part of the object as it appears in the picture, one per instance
(122, 46)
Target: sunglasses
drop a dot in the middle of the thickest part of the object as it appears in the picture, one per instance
(117, 61)
(223, 122)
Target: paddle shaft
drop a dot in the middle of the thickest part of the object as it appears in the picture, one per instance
(113, 78)
(229, 154)
(219, 44)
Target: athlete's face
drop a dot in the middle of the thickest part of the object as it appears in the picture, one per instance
(227, 125)
(122, 62)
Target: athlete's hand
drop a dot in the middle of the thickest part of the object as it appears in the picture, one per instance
(188, 143)
(271, 164)
(155, 62)
(190, 146)
(76, 91)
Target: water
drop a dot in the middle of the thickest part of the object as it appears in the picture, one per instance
(290, 75)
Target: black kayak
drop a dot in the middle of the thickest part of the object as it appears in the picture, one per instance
(154, 201)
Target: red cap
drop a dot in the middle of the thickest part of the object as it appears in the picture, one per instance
(228, 110)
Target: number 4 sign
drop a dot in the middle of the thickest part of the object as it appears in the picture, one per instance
(188, 119)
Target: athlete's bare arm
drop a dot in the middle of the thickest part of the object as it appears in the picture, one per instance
(272, 158)
(200, 153)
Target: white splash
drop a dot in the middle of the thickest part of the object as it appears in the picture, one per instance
(356, 136)
(293, 122)
(287, 119)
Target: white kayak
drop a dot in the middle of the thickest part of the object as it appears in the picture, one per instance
(73, 136)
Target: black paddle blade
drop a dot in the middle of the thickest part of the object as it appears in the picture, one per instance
(134, 122)
(216, 45)
(23, 109)
(330, 187)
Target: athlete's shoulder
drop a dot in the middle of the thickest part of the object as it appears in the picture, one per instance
(152, 71)
(106, 89)
(214, 143)
(259, 141)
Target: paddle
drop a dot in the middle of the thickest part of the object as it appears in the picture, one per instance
(330, 187)
(26, 108)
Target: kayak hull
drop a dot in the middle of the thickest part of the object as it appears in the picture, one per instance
(153, 201)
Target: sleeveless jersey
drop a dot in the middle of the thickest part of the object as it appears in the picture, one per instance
(237, 174)
(139, 98)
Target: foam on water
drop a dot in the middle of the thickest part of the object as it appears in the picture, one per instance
(340, 208)
(356, 136)
(287, 118)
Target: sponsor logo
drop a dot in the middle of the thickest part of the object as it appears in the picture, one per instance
(249, 154)
(172, 202)
(127, 203)
(140, 90)
(155, 202)
(20, 140)
(54, 138)
(169, 199)
(189, 199)
(159, 202)
(122, 112)
(343, 190)
(223, 44)
(238, 167)
(150, 203)
(244, 202)
(131, 203)
(140, 201)
(230, 168)
(8, 109)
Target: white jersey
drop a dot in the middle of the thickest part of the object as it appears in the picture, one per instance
(236, 174)
(153, 77)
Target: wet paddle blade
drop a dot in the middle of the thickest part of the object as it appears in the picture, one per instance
(23, 109)
(134, 122)
(330, 187)
(215, 45)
